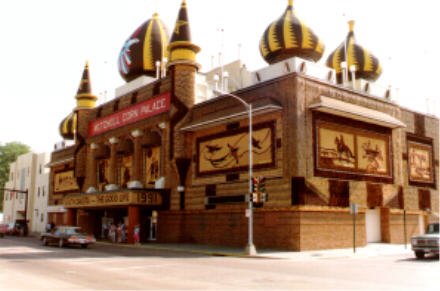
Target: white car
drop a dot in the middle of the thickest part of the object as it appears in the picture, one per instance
(427, 243)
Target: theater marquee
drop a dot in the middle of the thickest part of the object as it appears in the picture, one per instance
(116, 199)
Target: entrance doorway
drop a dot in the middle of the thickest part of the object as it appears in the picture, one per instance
(372, 225)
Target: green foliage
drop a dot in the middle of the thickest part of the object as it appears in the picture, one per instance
(8, 154)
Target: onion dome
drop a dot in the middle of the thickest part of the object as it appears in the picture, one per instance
(84, 100)
(181, 48)
(141, 51)
(289, 37)
(84, 97)
(367, 66)
(68, 126)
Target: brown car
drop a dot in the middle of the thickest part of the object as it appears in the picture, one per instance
(67, 235)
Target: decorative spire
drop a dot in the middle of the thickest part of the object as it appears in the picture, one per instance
(181, 48)
(290, 3)
(84, 97)
(351, 25)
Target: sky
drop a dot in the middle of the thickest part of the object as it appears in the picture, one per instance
(45, 44)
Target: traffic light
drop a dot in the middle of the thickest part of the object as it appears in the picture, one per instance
(262, 185)
(255, 185)
(258, 194)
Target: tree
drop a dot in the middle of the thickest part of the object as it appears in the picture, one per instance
(8, 154)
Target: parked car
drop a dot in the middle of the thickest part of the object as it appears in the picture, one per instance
(17, 227)
(427, 243)
(67, 235)
(3, 230)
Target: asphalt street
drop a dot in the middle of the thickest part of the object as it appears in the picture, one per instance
(27, 265)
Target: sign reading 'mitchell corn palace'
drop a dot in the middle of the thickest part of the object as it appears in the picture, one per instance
(131, 114)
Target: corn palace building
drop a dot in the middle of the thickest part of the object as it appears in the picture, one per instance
(171, 156)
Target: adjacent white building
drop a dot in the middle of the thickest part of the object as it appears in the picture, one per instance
(28, 172)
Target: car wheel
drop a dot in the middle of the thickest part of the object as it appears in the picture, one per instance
(84, 246)
(61, 243)
(45, 241)
(420, 255)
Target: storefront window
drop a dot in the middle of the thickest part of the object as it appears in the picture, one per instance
(152, 165)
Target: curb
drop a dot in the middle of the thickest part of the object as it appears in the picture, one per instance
(304, 256)
(207, 253)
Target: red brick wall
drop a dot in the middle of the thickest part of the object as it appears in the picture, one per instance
(397, 227)
(282, 229)
(331, 230)
(393, 225)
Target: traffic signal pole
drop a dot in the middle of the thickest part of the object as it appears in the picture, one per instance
(250, 248)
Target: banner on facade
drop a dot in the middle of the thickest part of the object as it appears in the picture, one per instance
(131, 114)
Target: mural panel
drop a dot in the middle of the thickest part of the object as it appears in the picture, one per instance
(152, 165)
(103, 173)
(344, 148)
(420, 162)
(230, 150)
(373, 154)
(336, 149)
(125, 173)
(65, 181)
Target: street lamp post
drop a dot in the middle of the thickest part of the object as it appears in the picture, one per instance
(250, 248)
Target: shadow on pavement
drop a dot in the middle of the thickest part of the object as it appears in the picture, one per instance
(428, 259)
(19, 248)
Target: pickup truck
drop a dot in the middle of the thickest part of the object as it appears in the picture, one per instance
(428, 243)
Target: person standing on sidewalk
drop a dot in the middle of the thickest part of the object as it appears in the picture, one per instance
(112, 233)
(119, 233)
(136, 234)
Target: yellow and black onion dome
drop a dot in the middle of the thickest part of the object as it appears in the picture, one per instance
(367, 65)
(289, 37)
(147, 45)
(68, 126)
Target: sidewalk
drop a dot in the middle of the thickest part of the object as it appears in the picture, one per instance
(371, 250)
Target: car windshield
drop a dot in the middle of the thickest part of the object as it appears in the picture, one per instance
(433, 228)
(72, 231)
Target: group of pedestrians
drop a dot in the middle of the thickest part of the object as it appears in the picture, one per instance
(117, 233)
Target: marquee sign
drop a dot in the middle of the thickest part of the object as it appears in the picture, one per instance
(131, 114)
(116, 198)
